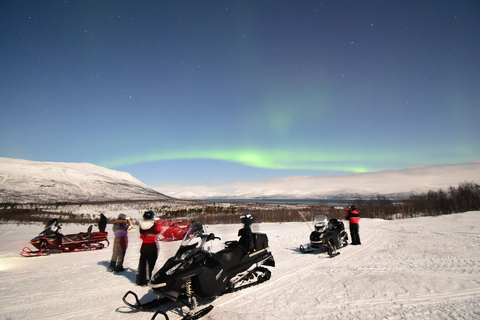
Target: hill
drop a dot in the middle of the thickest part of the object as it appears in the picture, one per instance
(23, 181)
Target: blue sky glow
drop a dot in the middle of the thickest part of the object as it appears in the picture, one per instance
(205, 92)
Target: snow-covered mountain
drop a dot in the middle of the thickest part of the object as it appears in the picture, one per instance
(23, 181)
(395, 184)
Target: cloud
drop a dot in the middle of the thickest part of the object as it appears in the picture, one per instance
(415, 178)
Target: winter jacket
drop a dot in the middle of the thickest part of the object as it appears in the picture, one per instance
(120, 228)
(149, 229)
(352, 216)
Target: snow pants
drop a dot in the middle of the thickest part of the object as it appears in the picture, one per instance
(332, 236)
(120, 245)
(354, 227)
(146, 264)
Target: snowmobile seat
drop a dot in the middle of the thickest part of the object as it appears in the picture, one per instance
(337, 225)
(261, 241)
(230, 256)
(246, 240)
(82, 235)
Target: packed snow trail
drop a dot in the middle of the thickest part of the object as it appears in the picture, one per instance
(420, 268)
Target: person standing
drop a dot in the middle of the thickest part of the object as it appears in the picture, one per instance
(353, 218)
(120, 229)
(102, 224)
(150, 228)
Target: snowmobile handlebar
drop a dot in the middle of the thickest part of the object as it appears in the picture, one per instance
(211, 236)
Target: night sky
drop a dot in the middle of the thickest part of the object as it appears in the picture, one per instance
(212, 92)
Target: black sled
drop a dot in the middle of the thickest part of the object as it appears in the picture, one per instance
(322, 236)
(195, 273)
(51, 240)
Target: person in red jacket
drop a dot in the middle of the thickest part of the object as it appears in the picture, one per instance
(354, 218)
(150, 228)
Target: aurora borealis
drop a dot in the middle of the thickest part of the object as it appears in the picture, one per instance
(211, 92)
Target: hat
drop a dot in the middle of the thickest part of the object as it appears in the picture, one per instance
(247, 215)
(121, 216)
(148, 215)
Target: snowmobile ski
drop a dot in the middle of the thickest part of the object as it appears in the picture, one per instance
(199, 314)
(196, 315)
(306, 249)
(144, 306)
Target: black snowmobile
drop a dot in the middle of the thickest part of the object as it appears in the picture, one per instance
(194, 272)
(51, 240)
(323, 236)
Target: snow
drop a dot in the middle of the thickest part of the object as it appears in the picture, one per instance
(23, 181)
(395, 182)
(421, 268)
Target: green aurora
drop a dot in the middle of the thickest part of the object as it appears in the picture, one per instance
(266, 159)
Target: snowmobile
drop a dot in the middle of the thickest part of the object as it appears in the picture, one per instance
(322, 236)
(51, 240)
(174, 230)
(196, 273)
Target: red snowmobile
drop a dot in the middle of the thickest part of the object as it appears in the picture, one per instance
(175, 230)
(51, 240)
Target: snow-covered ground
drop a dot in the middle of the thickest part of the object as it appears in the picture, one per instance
(422, 268)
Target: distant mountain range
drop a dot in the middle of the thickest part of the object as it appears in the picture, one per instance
(394, 184)
(23, 181)
(264, 195)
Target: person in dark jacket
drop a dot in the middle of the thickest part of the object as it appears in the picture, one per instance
(120, 229)
(150, 228)
(353, 218)
(102, 224)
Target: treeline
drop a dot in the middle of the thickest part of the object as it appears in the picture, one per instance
(25, 216)
(465, 197)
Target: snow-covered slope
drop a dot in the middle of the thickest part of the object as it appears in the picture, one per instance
(23, 181)
(395, 184)
(421, 268)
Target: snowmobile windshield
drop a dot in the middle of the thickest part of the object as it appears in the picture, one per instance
(193, 240)
(320, 222)
(192, 236)
(51, 227)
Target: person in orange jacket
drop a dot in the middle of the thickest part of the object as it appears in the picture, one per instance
(353, 218)
(150, 228)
